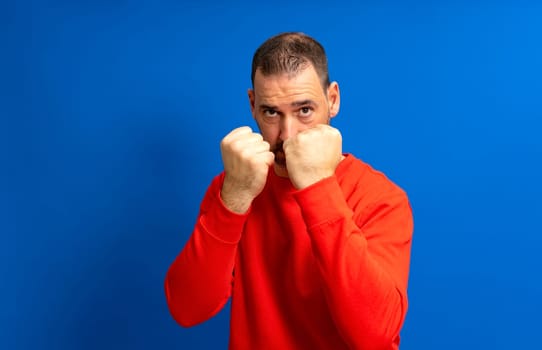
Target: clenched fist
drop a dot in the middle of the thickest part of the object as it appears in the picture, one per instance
(313, 155)
(246, 159)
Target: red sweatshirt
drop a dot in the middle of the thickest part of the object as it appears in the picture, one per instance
(325, 267)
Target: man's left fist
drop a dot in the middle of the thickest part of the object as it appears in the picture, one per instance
(313, 155)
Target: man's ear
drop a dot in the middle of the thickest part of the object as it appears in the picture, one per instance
(334, 99)
(251, 100)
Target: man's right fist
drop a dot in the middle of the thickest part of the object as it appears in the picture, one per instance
(247, 158)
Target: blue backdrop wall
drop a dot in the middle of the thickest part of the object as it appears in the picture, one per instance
(111, 115)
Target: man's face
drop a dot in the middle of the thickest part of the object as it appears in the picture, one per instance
(285, 105)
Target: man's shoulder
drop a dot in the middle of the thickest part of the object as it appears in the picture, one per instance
(357, 176)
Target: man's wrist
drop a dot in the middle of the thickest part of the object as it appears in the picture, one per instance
(307, 181)
(236, 202)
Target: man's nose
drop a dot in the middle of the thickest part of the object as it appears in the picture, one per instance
(288, 128)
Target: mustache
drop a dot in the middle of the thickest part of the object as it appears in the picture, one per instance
(278, 148)
(278, 151)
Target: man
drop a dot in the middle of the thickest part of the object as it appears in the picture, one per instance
(312, 245)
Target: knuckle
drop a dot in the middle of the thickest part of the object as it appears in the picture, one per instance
(245, 153)
(237, 147)
(232, 144)
(225, 145)
(244, 129)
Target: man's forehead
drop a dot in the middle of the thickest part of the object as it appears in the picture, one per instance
(293, 95)
(285, 85)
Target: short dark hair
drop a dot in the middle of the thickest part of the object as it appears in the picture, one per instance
(290, 53)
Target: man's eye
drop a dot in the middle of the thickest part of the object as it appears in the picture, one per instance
(305, 111)
(270, 113)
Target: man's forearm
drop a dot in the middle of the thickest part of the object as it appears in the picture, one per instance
(364, 273)
(198, 283)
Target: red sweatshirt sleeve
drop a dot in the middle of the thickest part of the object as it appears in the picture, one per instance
(363, 258)
(199, 281)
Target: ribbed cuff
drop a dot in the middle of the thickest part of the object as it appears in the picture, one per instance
(322, 202)
(223, 223)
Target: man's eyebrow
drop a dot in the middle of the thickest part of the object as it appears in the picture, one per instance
(303, 103)
(266, 107)
(293, 104)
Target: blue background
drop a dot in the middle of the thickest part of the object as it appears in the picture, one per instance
(111, 115)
